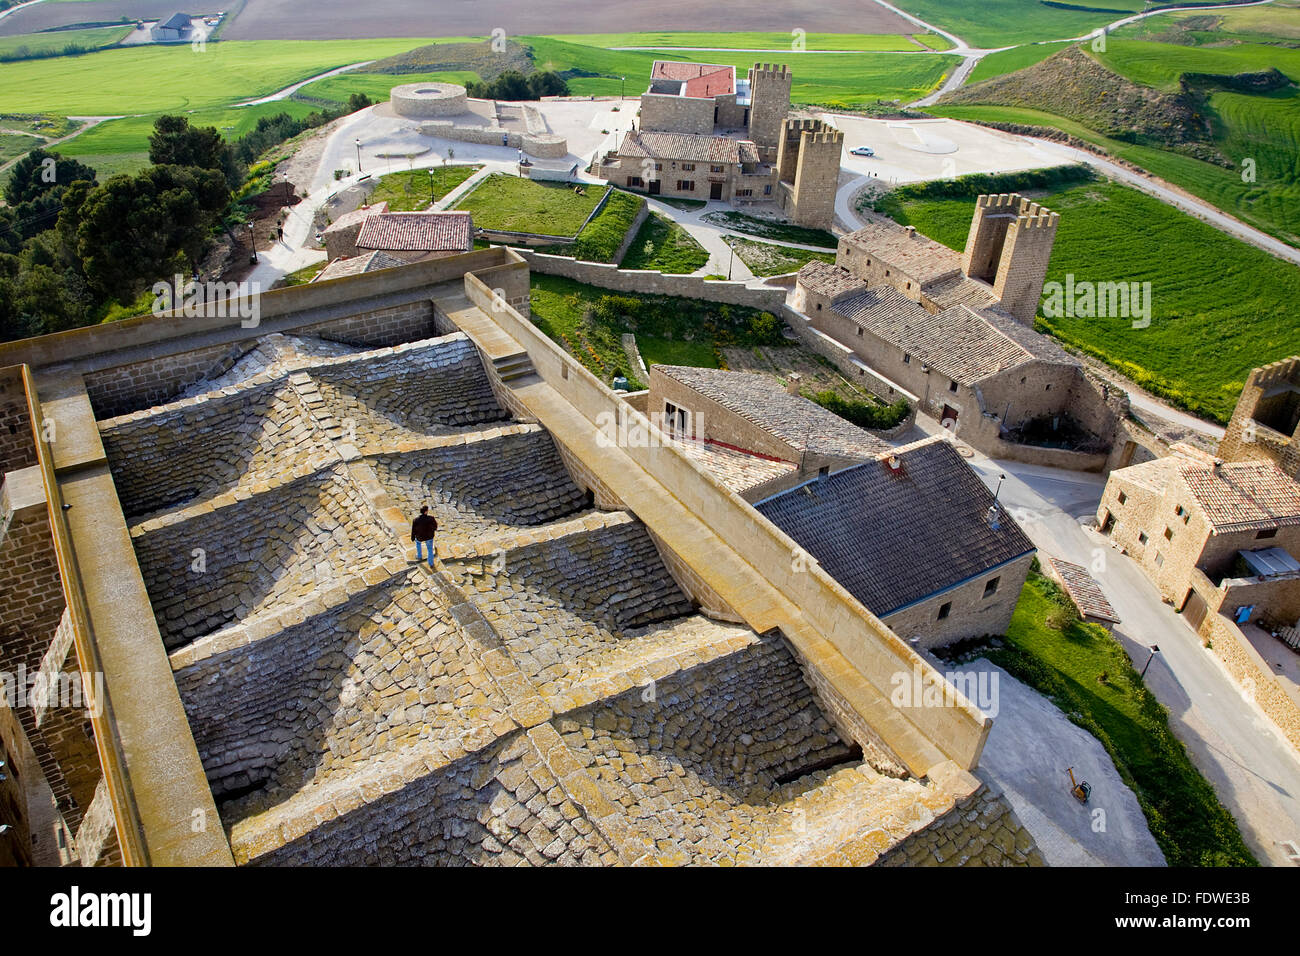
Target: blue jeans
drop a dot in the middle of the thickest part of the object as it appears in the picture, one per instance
(419, 552)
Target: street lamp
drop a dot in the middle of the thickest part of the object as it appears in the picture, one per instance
(622, 87)
(252, 242)
(731, 261)
(1154, 650)
(432, 198)
(358, 142)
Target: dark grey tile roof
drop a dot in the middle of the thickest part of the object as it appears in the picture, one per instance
(892, 539)
(825, 278)
(802, 424)
(689, 147)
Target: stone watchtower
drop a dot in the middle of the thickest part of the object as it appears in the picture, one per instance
(808, 170)
(1266, 422)
(769, 95)
(1009, 246)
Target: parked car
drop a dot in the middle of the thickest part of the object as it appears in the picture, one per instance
(863, 151)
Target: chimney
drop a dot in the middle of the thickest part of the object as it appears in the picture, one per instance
(792, 383)
(911, 230)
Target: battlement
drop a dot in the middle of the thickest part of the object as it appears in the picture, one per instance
(1285, 370)
(1042, 219)
(770, 71)
(799, 124)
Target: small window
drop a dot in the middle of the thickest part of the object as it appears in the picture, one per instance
(1160, 559)
(1022, 380)
(716, 169)
(677, 419)
(744, 193)
(686, 185)
(819, 306)
(1142, 537)
(688, 167)
(991, 588)
(886, 273)
(634, 182)
(945, 610)
(1265, 534)
(952, 386)
(1169, 534)
(859, 330)
(658, 167)
(907, 359)
(1049, 388)
(767, 190)
(1122, 498)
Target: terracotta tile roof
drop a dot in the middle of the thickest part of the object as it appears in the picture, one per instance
(357, 215)
(356, 265)
(960, 290)
(803, 425)
(892, 539)
(418, 232)
(917, 255)
(1243, 495)
(828, 279)
(689, 147)
(704, 80)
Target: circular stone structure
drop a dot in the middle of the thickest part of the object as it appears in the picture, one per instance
(423, 100)
(545, 145)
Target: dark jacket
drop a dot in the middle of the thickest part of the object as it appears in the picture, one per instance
(423, 527)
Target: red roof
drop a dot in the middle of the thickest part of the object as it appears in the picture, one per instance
(418, 232)
(703, 80)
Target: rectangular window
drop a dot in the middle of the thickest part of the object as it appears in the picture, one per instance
(991, 588)
(945, 610)
(676, 419)
(688, 167)
(635, 182)
(1266, 533)
(686, 185)
(658, 166)
(1169, 534)
(767, 190)
(1160, 559)
(907, 359)
(952, 386)
(1122, 498)
(716, 169)
(1142, 538)
(859, 330)
(744, 193)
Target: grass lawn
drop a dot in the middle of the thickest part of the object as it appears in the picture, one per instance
(829, 79)
(663, 245)
(149, 79)
(765, 259)
(1008, 61)
(337, 89)
(304, 275)
(776, 231)
(865, 42)
(604, 235)
(589, 323)
(92, 39)
(514, 204)
(408, 191)
(1219, 307)
(1085, 672)
(13, 145)
(996, 23)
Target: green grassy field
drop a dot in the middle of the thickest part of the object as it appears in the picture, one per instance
(156, 78)
(766, 259)
(56, 40)
(813, 42)
(513, 204)
(663, 245)
(776, 231)
(1161, 64)
(819, 78)
(1086, 673)
(1219, 306)
(1008, 61)
(337, 89)
(601, 239)
(410, 190)
(13, 145)
(997, 23)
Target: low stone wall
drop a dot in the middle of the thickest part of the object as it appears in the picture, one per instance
(630, 236)
(420, 100)
(647, 282)
(1253, 673)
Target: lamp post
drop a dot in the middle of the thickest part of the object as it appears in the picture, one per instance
(622, 80)
(731, 261)
(358, 142)
(1154, 650)
(252, 242)
(433, 199)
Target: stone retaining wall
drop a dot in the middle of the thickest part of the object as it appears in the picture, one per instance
(981, 830)
(1253, 674)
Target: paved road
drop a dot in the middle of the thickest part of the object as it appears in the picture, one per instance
(1254, 770)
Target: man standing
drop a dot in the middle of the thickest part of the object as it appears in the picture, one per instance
(423, 529)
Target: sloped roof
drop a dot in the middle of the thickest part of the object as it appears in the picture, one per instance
(177, 21)
(913, 253)
(418, 232)
(960, 290)
(687, 147)
(802, 424)
(738, 470)
(1243, 495)
(828, 279)
(894, 539)
(705, 80)
(356, 265)
(358, 215)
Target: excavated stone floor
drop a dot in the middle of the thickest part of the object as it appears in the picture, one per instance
(546, 695)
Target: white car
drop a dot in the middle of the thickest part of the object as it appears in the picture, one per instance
(863, 151)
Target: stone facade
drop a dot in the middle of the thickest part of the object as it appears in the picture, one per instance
(966, 610)
(769, 91)
(1265, 424)
(808, 170)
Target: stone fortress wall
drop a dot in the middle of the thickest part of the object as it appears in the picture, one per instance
(447, 112)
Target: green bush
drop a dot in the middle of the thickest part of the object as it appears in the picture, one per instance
(862, 414)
